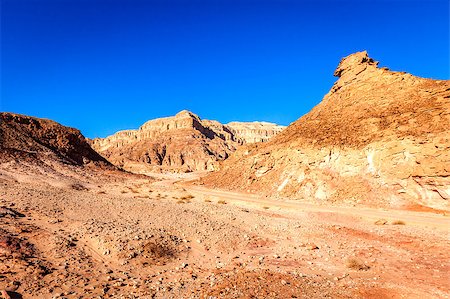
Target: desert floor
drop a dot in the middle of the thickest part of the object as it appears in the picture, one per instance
(87, 234)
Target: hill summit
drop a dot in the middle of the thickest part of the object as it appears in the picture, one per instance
(378, 137)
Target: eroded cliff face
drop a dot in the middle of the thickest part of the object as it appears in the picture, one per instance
(378, 137)
(252, 132)
(181, 143)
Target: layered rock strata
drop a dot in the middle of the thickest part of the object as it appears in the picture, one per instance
(181, 143)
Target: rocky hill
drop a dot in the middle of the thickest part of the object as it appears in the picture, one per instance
(378, 137)
(24, 138)
(183, 143)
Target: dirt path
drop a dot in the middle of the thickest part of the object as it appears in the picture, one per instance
(422, 219)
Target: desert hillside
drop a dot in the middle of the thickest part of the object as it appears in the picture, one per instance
(37, 139)
(180, 143)
(378, 138)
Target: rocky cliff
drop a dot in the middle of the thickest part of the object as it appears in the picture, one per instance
(252, 132)
(26, 138)
(378, 137)
(183, 143)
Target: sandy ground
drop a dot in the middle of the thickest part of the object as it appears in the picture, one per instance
(108, 235)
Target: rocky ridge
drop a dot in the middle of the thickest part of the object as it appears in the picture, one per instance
(24, 138)
(183, 143)
(378, 137)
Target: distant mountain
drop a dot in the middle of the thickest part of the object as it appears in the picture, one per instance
(180, 143)
(378, 137)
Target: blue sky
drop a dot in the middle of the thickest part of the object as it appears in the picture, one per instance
(103, 66)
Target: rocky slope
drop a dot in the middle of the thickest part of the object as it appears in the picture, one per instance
(378, 137)
(24, 138)
(180, 143)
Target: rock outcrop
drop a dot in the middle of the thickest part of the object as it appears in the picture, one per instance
(378, 137)
(181, 143)
(24, 138)
(252, 132)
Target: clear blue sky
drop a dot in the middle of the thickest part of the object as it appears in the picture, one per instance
(105, 65)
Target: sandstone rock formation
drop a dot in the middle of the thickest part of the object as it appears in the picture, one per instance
(180, 143)
(378, 137)
(251, 132)
(24, 138)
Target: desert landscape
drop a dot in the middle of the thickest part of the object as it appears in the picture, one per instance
(349, 201)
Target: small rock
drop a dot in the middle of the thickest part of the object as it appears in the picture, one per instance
(381, 222)
(261, 260)
(312, 247)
